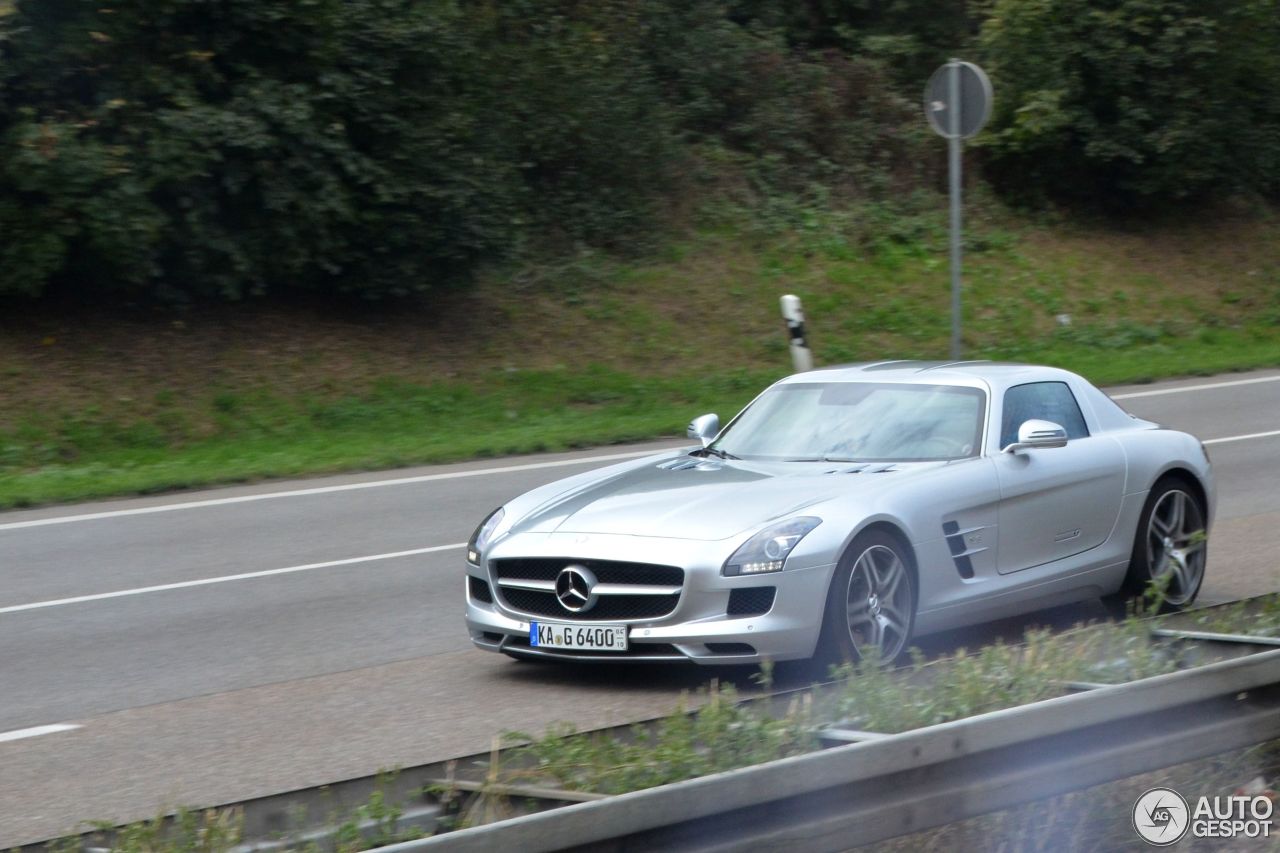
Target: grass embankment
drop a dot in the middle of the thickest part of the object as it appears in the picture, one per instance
(598, 350)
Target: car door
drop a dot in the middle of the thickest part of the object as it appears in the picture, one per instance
(1060, 501)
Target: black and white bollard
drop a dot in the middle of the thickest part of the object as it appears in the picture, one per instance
(801, 355)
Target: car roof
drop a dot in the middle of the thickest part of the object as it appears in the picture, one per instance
(994, 377)
(991, 374)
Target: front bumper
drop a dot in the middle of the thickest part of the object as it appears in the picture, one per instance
(699, 629)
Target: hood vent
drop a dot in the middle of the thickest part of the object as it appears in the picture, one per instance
(685, 464)
(865, 469)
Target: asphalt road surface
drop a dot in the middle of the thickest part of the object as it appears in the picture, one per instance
(210, 647)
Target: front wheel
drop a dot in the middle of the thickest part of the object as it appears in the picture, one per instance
(871, 603)
(1170, 547)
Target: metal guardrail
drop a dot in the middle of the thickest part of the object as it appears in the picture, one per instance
(310, 817)
(1209, 637)
(898, 784)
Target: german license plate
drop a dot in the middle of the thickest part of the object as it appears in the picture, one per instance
(595, 638)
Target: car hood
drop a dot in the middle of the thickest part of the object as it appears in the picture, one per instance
(696, 499)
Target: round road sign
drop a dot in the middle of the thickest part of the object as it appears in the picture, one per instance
(957, 100)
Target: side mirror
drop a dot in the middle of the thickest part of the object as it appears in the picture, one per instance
(704, 428)
(1037, 433)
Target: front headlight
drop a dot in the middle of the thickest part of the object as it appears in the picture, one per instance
(483, 534)
(767, 551)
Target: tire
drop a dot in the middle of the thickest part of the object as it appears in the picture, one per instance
(1169, 547)
(871, 603)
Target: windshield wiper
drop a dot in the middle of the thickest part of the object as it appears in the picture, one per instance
(820, 459)
(713, 451)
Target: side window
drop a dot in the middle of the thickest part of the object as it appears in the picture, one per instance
(1046, 401)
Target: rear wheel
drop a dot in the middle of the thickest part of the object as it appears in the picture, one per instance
(871, 603)
(1170, 547)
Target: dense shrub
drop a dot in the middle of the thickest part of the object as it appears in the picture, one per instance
(189, 148)
(912, 36)
(193, 149)
(381, 145)
(1128, 102)
(804, 117)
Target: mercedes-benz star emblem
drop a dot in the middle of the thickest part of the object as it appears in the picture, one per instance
(576, 588)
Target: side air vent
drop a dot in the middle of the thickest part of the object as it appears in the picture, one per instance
(963, 544)
(751, 600)
(480, 590)
(731, 648)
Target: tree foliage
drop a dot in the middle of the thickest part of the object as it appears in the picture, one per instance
(912, 36)
(192, 148)
(224, 148)
(1133, 102)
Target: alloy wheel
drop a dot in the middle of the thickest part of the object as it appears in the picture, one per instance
(878, 603)
(1176, 546)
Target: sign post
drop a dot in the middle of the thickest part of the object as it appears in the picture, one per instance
(957, 103)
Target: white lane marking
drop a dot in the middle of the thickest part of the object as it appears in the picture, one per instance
(1242, 437)
(1207, 387)
(324, 490)
(58, 602)
(36, 731)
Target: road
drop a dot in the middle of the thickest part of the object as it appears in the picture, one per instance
(215, 646)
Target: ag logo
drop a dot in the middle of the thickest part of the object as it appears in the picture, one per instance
(1161, 817)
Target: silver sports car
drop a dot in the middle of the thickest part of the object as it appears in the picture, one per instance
(843, 512)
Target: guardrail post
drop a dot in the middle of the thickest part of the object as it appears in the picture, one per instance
(793, 313)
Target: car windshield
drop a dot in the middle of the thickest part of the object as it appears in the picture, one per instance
(858, 422)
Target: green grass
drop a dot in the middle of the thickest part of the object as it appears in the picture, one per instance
(396, 425)
(519, 412)
(598, 350)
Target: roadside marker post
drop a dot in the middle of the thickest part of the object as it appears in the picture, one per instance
(793, 313)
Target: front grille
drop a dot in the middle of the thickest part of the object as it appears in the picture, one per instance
(606, 571)
(608, 608)
(751, 600)
(480, 590)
